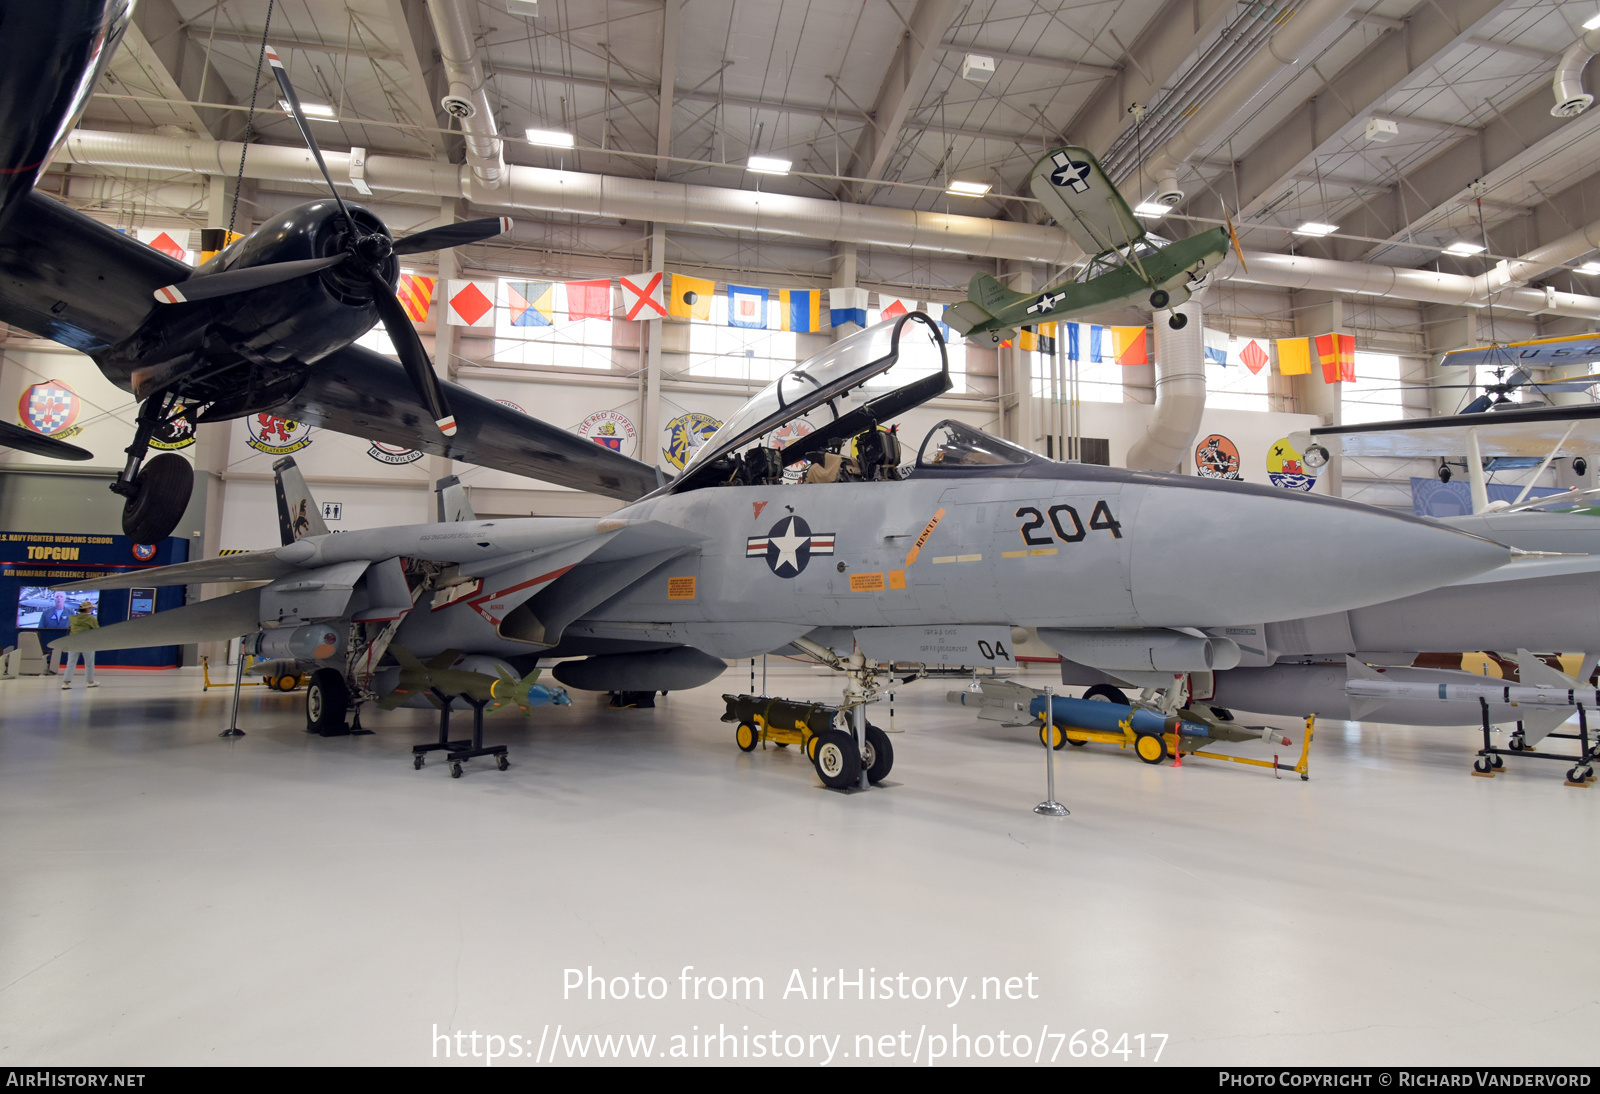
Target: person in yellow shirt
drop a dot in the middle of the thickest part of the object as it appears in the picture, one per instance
(82, 620)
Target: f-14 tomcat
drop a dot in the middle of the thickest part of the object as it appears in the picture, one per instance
(267, 325)
(868, 561)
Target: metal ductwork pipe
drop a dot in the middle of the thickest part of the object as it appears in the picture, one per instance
(539, 189)
(1571, 98)
(467, 100)
(1282, 50)
(1180, 394)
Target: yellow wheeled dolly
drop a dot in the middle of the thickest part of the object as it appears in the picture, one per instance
(286, 682)
(781, 722)
(1153, 748)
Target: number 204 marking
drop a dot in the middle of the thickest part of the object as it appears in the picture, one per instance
(1065, 522)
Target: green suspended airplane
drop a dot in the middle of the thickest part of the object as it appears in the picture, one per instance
(1129, 264)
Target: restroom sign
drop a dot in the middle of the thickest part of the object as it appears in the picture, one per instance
(333, 510)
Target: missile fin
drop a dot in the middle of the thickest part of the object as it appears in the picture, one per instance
(1539, 724)
(1361, 707)
(1358, 671)
(1535, 673)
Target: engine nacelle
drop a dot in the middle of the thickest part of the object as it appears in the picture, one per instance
(660, 670)
(1149, 650)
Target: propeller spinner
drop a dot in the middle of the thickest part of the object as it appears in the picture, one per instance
(367, 253)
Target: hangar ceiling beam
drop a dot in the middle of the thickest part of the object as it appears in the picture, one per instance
(915, 61)
(669, 76)
(179, 67)
(1063, 63)
(410, 19)
(1347, 99)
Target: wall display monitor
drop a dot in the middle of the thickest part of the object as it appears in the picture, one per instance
(141, 602)
(40, 608)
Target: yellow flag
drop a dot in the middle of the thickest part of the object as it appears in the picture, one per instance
(691, 297)
(1294, 356)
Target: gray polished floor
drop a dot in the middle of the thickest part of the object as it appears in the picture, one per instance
(169, 897)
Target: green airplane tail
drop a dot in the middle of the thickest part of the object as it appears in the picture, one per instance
(990, 295)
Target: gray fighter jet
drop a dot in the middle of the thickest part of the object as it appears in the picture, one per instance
(872, 562)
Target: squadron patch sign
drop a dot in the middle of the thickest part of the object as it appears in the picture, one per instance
(609, 429)
(50, 408)
(788, 547)
(173, 433)
(1216, 457)
(393, 454)
(1286, 467)
(685, 434)
(276, 436)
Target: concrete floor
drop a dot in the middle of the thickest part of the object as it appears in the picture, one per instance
(170, 898)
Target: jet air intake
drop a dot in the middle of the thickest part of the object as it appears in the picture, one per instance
(1151, 650)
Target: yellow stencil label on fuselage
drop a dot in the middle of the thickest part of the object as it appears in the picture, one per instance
(680, 588)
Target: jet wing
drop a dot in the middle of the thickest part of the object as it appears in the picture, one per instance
(360, 392)
(250, 566)
(1074, 190)
(1528, 433)
(68, 277)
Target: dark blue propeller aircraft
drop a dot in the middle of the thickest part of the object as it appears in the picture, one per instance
(267, 325)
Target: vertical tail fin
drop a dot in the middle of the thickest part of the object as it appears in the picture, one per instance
(453, 503)
(298, 513)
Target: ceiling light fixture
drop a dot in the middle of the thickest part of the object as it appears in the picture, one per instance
(550, 138)
(1316, 229)
(967, 189)
(1462, 249)
(1592, 268)
(1151, 210)
(311, 110)
(768, 165)
(1592, 23)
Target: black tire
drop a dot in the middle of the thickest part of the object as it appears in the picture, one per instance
(1177, 320)
(1054, 736)
(837, 760)
(287, 682)
(1517, 743)
(1160, 299)
(1498, 762)
(416, 762)
(161, 495)
(1481, 765)
(455, 771)
(882, 754)
(327, 700)
(1150, 747)
(746, 736)
(1107, 693)
(502, 761)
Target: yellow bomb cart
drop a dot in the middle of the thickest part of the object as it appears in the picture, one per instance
(818, 728)
(1153, 735)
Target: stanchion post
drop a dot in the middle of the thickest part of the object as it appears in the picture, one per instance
(1050, 807)
(233, 729)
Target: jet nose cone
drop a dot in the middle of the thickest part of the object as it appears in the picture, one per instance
(1243, 555)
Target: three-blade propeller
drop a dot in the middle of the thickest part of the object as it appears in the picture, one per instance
(367, 253)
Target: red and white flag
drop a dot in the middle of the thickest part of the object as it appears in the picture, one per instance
(471, 303)
(893, 307)
(643, 296)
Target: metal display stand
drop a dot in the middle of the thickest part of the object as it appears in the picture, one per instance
(233, 729)
(1580, 774)
(1050, 807)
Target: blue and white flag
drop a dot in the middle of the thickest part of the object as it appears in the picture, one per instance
(747, 307)
(847, 306)
(1216, 343)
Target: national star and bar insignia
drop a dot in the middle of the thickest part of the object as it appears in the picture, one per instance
(789, 546)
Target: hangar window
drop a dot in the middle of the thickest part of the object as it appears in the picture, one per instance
(740, 353)
(919, 359)
(540, 332)
(1233, 386)
(1098, 381)
(1376, 395)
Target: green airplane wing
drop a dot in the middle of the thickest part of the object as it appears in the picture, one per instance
(1074, 190)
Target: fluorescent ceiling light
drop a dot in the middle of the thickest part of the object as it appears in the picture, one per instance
(967, 189)
(1592, 23)
(1151, 210)
(767, 165)
(1591, 267)
(1314, 228)
(550, 138)
(1462, 248)
(311, 110)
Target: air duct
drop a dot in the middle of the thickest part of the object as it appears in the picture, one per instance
(1180, 394)
(467, 101)
(1283, 49)
(1571, 98)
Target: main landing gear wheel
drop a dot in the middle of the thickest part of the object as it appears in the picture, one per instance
(327, 699)
(1105, 693)
(1054, 736)
(1152, 749)
(1159, 299)
(746, 737)
(160, 495)
(880, 754)
(1177, 320)
(837, 760)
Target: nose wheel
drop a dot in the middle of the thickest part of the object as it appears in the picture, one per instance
(1177, 320)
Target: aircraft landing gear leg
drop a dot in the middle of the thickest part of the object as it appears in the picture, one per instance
(1177, 320)
(157, 495)
(355, 724)
(419, 753)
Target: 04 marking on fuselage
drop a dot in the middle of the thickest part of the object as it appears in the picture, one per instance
(1065, 522)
